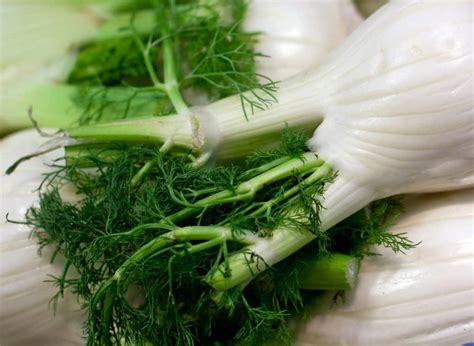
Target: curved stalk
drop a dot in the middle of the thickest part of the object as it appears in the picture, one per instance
(342, 198)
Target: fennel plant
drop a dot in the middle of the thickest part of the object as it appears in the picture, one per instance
(201, 247)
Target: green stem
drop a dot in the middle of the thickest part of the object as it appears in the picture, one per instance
(191, 233)
(106, 313)
(157, 84)
(101, 309)
(170, 71)
(266, 251)
(322, 172)
(80, 154)
(159, 130)
(137, 178)
(216, 234)
(307, 162)
(265, 167)
(247, 190)
(331, 272)
(219, 127)
(206, 245)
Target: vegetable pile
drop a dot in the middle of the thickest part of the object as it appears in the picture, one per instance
(182, 232)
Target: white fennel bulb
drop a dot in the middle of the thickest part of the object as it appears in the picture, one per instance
(391, 109)
(395, 109)
(26, 317)
(298, 34)
(400, 121)
(423, 297)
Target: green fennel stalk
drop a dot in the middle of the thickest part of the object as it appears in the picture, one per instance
(202, 248)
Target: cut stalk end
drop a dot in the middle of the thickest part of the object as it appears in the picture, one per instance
(332, 272)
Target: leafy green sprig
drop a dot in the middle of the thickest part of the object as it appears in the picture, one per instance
(171, 49)
(142, 252)
(118, 237)
(368, 227)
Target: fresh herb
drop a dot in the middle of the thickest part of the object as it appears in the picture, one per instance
(120, 237)
(144, 253)
(169, 47)
(369, 227)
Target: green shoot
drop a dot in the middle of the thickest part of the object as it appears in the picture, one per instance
(172, 48)
(143, 247)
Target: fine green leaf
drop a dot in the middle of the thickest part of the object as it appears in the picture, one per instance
(211, 55)
(141, 287)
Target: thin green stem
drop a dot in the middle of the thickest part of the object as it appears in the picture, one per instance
(247, 190)
(223, 233)
(322, 172)
(156, 130)
(307, 162)
(170, 72)
(265, 167)
(146, 59)
(137, 178)
(206, 245)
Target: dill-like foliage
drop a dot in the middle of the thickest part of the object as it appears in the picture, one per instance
(293, 143)
(113, 62)
(369, 227)
(100, 103)
(142, 284)
(210, 52)
(174, 305)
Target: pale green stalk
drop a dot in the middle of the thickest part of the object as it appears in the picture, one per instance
(330, 272)
(220, 129)
(342, 198)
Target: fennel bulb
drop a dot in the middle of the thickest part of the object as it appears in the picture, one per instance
(394, 107)
(423, 297)
(26, 315)
(38, 34)
(298, 34)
